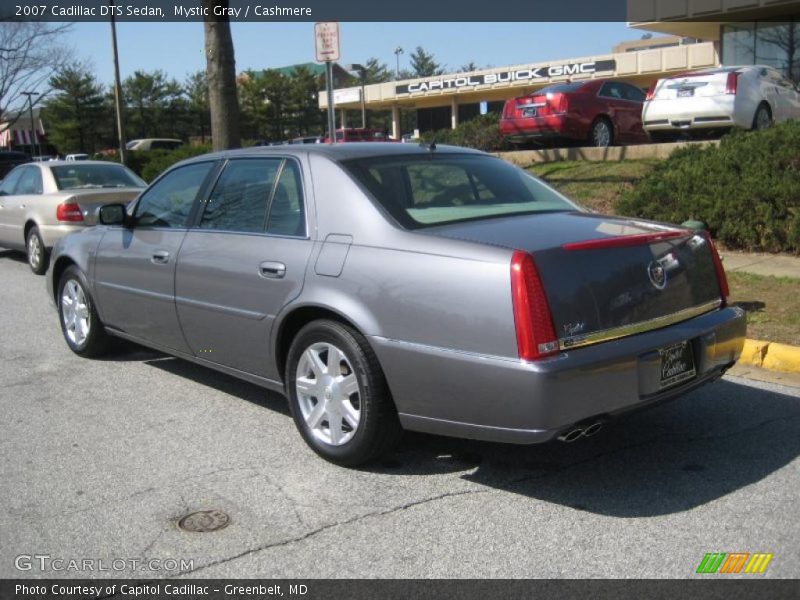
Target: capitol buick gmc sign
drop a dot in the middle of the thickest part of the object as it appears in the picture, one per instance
(525, 74)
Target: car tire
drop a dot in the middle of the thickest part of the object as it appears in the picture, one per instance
(83, 331)
(38, 257)
(763, 117)
(601, 133)
(353, 392)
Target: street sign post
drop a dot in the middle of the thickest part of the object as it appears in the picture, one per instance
(326, 38)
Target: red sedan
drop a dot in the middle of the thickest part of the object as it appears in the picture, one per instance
(600, 112)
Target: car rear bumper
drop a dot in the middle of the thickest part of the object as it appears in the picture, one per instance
(546, 127)
(496, 399)
(711, 112)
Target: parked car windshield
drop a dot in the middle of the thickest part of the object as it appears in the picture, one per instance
(436, 189)
(81, 176)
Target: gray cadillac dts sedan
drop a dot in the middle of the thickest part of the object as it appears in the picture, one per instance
(384, 287)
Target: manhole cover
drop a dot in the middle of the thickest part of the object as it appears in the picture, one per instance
(203, 521)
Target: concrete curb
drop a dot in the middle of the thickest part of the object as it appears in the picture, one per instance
(771, 355)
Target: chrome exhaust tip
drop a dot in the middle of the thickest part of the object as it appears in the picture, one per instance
(572, 435)
(593, 429)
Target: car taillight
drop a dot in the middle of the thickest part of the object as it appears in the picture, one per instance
(563, 103)
(508, 108)
(536, 336)
(69, 211)
(722, 279)
(651, 91)
(732, 82)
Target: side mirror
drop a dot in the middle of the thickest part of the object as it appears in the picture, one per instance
(112, 214)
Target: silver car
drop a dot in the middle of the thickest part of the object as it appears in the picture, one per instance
(42, 201)
(384, 287)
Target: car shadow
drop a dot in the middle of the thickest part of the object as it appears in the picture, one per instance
(221, 382)
(669, 459)
(15, 255)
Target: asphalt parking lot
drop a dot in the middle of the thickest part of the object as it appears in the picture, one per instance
(100, 459)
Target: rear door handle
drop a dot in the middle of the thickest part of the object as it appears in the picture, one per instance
(160, 257)
(272, 270)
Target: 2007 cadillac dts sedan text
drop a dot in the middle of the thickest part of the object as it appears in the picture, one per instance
(384, 287)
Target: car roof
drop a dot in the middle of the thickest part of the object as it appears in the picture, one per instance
(337, 152)
(74, 163)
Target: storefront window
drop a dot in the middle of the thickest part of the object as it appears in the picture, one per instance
(772, 43)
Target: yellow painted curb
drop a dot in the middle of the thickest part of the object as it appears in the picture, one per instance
(782, 357)
(754, 352)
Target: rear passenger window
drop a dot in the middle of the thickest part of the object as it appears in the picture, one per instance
(30, 182)
(240, 199)
(287, 213)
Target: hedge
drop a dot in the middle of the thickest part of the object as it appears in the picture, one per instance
(149, 164)
(747, 189)
(481, 133)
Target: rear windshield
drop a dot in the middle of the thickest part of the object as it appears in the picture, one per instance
(80, 176)
(436, 189)
(559, 88)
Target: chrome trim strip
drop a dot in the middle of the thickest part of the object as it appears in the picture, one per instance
(626, 330)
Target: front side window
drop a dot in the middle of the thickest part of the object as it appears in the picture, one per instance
(168, 202)
(436, 189)
(240, 198)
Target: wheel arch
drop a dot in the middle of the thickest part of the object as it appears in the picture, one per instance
(298, 317)
(29, 224)
(62, 264)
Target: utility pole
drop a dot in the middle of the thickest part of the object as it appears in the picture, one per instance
(123, 151)
(362, 76)
(35, 138)
(397, 52)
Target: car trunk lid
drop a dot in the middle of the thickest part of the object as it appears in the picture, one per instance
(695, 85)
(89, 200)
(606, 277)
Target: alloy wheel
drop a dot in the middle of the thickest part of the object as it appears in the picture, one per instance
(35, 251)
(601, 134)
(328, 394)
(763, 119)
(75, 312)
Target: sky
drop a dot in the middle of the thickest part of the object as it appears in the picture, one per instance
(177, 48)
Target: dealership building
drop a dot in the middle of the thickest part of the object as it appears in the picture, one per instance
(700, 34)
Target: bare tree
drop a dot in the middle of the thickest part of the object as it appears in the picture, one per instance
(30, 54)
(221, 71)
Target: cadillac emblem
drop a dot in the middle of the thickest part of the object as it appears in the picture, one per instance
(657, 274)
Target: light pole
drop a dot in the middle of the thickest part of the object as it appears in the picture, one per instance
(117, 89)
(35, 138)
(397, 52)
(362, 76)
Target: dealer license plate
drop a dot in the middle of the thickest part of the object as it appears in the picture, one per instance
(686, 93)
(529, 112)
(677, 364)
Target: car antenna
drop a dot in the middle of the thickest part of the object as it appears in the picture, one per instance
(431, 146)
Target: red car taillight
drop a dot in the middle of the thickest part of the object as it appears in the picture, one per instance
(722, 279)
(69, 212)
(651, 91)
(732, 82)
(558, 103)
(536, 336)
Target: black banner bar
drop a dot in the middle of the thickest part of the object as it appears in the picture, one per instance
(328, 10)
(711, 588)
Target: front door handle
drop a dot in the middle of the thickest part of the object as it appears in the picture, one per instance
(160, 257)
(272, 270)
